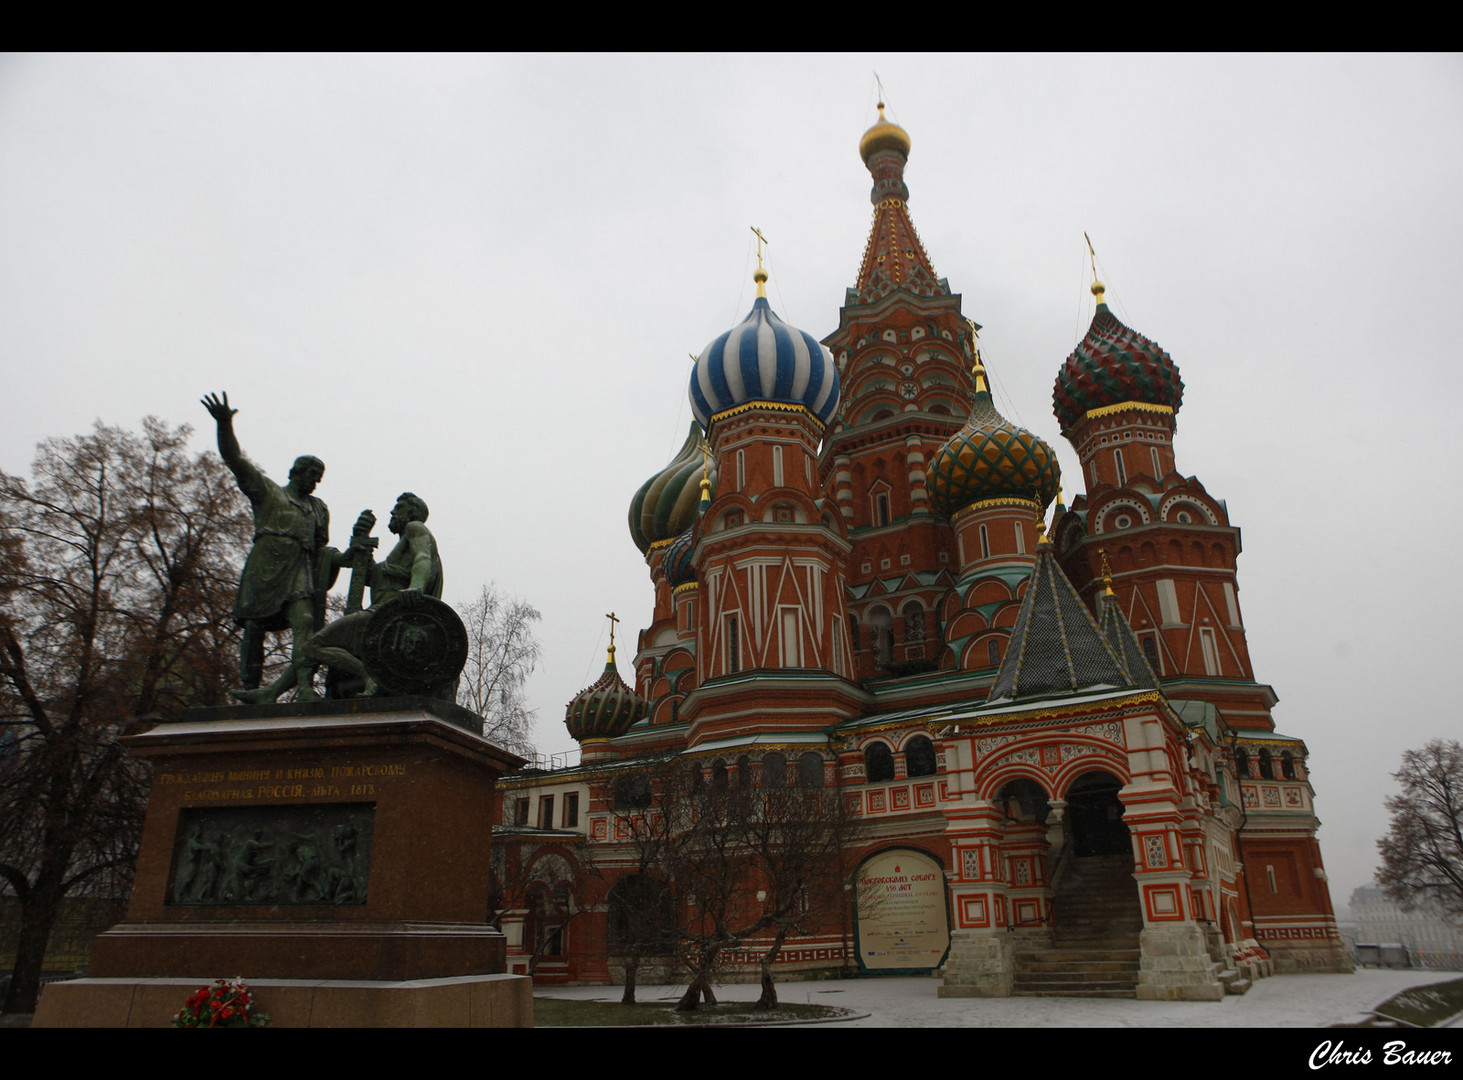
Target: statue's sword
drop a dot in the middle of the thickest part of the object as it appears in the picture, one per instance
(363, 546)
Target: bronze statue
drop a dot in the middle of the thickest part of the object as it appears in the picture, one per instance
(289, 568)
(410, 572)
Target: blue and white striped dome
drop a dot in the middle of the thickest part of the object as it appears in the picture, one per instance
(764, 359)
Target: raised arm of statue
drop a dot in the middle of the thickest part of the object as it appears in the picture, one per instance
(228, 445)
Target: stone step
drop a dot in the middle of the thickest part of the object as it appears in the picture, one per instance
(1114, 993)
(1114, 962)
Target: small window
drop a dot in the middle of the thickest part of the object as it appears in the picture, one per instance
(993, 652)
(777, 467)
(520, 811)
(774, 770)
(878, 763)
(733, 646)
(985, 543)
(718, 775)
(1287, 765)
(1117, 457)
(810, 770)
(571, 809)
(744, 772)
(546, 812)
(1267, 768)
(1242, 764)
(881, 508)
(1150, 650)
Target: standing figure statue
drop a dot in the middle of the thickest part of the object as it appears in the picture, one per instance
(412, 570)
(290, 568)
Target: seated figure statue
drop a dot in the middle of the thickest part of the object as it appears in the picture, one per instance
(412, 569)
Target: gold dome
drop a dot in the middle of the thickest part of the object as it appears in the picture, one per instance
(883, 136)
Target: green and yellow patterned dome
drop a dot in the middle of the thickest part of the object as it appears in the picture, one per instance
(605, 708)
(665, 505)
(991, 458)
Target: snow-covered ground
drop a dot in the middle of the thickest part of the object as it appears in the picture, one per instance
(1302, 1001)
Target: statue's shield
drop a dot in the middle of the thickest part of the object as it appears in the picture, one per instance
(414, 645)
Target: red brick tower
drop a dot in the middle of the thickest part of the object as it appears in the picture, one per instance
(1173, 552)
(904, 352)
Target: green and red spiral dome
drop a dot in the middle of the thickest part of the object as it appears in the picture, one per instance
(605, 708)
(1113, 364)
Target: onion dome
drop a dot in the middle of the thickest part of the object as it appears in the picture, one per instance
(677, 565)
(990, 458)
(1114, 365)
(884, 135)
(762, 358)
(605, 708)
(666, 504)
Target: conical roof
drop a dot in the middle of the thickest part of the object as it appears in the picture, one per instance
(1056, 647)
(894, 257)
(1124, 643)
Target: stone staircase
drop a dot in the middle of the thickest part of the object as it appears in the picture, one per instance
(1094, 950)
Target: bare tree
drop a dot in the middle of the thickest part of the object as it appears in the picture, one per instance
(799, 837)
(117, 571)
(641, 904)
(502, 652)
(1422, 854)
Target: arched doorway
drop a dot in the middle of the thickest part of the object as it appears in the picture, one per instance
(1096, 815)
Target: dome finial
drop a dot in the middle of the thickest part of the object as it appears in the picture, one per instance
(760, 275)
(979, 372)
(613, 619)
(1098, 288)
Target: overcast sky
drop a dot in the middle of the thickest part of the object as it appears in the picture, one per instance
(480, 277)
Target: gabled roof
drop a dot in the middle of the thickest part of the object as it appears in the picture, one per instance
(1055, 647)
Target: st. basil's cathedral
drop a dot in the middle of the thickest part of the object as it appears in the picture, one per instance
(1043, 714)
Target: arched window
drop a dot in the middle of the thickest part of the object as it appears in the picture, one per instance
(878, 763)
(1267, 769)
(810, 770)
(1242, 764)
(919, 757)
(1287, 765)
(993, 652)
(914, 621)
(744, 772)
(718, 775)
(881, 636)
(774, 770)
(547, 913)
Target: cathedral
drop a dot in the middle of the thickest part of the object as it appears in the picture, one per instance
(1042, 713)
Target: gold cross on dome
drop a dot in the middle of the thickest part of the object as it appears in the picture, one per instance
(611, 617)
(760, 241)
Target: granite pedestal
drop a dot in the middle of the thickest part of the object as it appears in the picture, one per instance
(325, 842)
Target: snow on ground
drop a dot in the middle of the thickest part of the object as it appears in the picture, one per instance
(1301, 1001)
